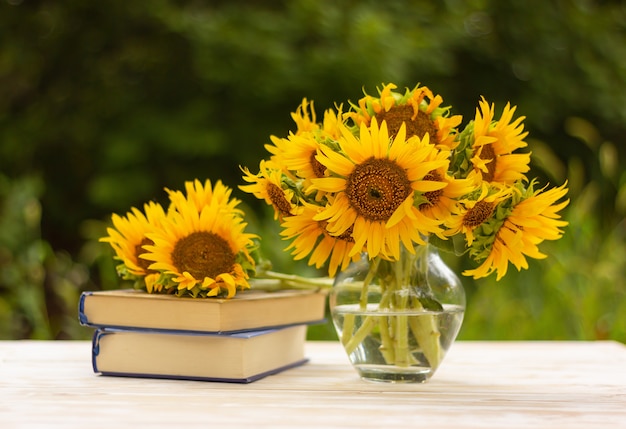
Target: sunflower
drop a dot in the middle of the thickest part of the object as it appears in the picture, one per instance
(268, 185)
(418, 109)
(306, 123)
(128, 237)
(295, 155)
(441, 203)
(300, 159)
(201, 252)
(310, 236)
(305, 117)
(494, 142)
(203, 195)
(334, 119)
(472, 215)
(532, 220)
(373, 183)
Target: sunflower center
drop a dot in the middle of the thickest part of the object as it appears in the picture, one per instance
(478, 214)
(487, 153)
(277, 196)
(203, 254)
(139, 250)
(432, 196)
(419, 126)
(318, 168)
(376, 188)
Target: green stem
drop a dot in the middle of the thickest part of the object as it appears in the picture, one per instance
(427, 334)
(368, 321)
(272, 280)
(395, 344)
(401, 342)
(387, 344)
(424, 328)
(402, 353)
(371, 273)
(348, 327)
(360, 334)
(387, 348)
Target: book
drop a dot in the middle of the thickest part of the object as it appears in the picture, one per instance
(248, 310)
(239, 358)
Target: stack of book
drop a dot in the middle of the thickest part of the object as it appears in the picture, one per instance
(241, 339)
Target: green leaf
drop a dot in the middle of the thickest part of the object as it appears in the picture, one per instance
(455, 244)
(429, 303)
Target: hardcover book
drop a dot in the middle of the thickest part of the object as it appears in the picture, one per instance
(240, 357)
(250, 310)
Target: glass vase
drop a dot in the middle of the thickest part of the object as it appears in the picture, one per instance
(397, 319)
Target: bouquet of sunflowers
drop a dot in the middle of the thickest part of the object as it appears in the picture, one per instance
(394, 170)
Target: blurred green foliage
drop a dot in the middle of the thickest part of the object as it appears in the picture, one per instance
(102, 105)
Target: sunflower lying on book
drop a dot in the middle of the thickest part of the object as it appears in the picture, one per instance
(197, 247)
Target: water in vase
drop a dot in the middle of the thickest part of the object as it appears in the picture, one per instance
(405, 346)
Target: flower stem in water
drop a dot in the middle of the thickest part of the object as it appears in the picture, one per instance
(360, 334)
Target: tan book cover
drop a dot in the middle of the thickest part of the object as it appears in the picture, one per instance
(241, 357)
(248, 310)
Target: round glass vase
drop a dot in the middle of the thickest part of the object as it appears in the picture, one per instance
(397, 319)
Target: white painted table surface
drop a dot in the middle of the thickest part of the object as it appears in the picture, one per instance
(50, 384)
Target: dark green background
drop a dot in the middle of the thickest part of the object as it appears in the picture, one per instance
(103, 104)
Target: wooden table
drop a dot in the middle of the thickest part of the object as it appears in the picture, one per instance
(480, 384)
